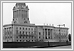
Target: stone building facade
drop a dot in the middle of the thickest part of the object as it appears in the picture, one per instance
(21, 30)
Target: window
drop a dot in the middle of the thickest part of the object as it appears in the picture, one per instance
(17, 37)
(39, 33)
(20, 27)
(26, 32)
(32, 40)
(17, 40)
(23, 36)
(26, 40)
(13, 19)
(28, 18)
(23, 28)
(29, 28)
(16, 31)
(9, 27)
(5, 37)
(43, 37)
(20, 40)
(25, 21)
(46, 37)
(16, 27)
(5, 28)
(20, 36)
(32, 32)
(20, 32)
(23, 40)
(26, 28)
(26, 36)
(31, 37)
(49, 37)
(39, 36)
(29, 32)
(10, 37)
(23, 32)
(24, 18)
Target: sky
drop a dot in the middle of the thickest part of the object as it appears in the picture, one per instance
(42, 13)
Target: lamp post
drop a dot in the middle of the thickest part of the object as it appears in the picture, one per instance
(59, 31)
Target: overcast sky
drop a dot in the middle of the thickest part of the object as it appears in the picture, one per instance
(40, 13)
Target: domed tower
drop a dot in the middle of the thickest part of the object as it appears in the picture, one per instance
(20, 14)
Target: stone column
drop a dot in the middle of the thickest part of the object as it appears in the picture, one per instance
(47, 33)
(44, 33)
(50, 33)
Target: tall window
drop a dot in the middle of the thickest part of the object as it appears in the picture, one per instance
(23, 28)
(29, 28)
(39, 33)
(16, 31)
(46, 33)
(23, 32)
(26, 28)
(26, 33)
(16, 27)
(20, 32)
(20, 27)
(25, 21)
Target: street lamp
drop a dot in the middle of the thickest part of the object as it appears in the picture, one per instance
(59, 31)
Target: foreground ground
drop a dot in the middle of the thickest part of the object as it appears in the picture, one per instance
(36, 44)
(64, 47)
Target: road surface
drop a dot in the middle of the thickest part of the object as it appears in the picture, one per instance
(62, 47)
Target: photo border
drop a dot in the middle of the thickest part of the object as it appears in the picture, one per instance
(37, 2)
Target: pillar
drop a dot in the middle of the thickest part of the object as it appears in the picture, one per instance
(47, 33)
(44, 33)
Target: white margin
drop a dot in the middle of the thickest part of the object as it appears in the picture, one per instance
(34, 48)
(1, 26)
(72, 26)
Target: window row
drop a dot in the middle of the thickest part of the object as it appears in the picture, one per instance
(24, 28)
(23, 32)
(25, 37)
(61, 30)
(7, 28)
(7, 37)
(25, 40)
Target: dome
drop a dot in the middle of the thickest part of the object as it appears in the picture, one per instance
(20, 4)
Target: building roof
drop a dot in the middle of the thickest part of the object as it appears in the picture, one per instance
(33, 25)
(20, 4)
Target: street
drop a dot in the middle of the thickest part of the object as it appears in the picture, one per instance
(63, 47)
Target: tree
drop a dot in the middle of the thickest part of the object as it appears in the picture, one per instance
(69, 37)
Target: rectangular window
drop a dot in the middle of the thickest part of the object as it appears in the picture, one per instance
(23, 32)
(16, 31)
(23, 36)
(39, 33)
(20, 32)
(16, 27)
(26, 32)
(49, 37)
(29, 32)
(39, 36)
(23, 28)
(20, 27)
(29, 28)
(26, 28)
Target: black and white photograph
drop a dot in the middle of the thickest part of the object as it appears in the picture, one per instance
(36, 25)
